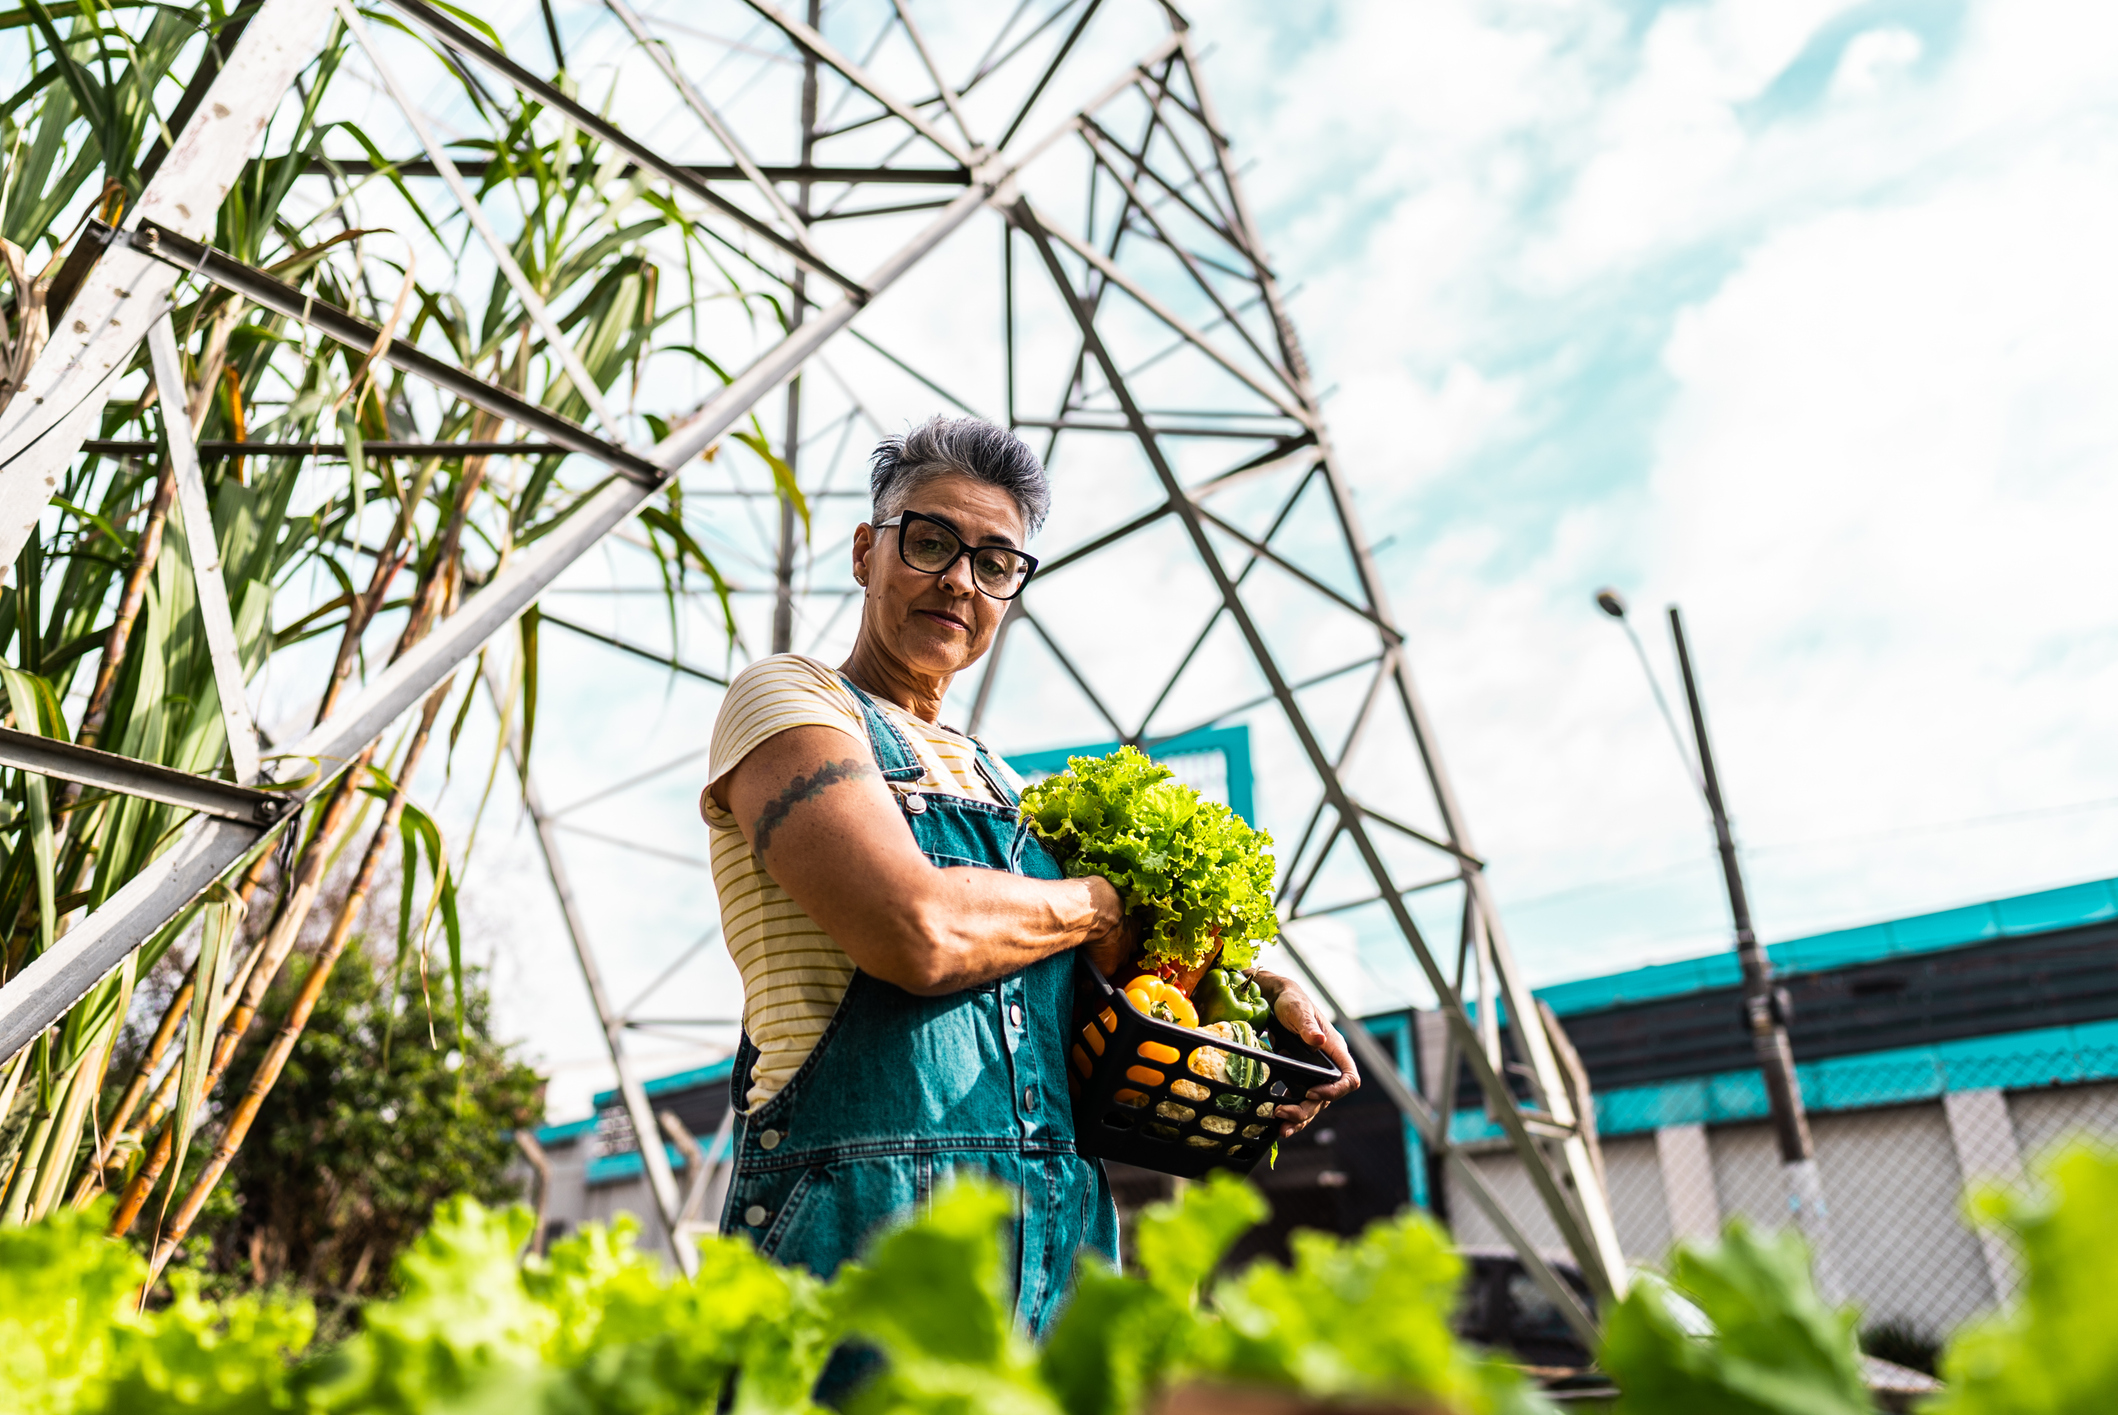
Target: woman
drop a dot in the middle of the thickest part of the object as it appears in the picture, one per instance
(905, 944)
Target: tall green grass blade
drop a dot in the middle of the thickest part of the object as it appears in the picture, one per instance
(217, 921)
(782, 475)
(529, 621)
(23, 699)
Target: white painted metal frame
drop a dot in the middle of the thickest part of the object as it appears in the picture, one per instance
(205, 550)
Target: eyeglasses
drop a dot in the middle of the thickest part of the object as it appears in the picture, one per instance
(930, 547)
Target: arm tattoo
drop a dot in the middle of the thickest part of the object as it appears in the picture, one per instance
(803, 788)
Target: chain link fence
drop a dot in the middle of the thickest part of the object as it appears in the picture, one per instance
(1895, 1179)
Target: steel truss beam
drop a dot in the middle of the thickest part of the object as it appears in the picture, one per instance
(1173, 191)
(1545, 1133)
(127, 776)
(820, 176)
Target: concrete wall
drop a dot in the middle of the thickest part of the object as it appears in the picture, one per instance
(1639, 1207)
(2045, 1118)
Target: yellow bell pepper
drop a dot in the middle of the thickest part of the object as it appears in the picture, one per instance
(1156, 998)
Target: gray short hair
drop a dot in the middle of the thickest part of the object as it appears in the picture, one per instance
(970, 447)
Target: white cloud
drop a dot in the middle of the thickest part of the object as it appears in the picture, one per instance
(1875, 59)
(1828, 364)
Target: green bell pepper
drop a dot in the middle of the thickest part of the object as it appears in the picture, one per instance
(1224, 995)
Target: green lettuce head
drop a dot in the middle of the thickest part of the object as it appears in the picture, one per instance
(1194, 866)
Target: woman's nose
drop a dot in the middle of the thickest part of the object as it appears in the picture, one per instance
(958, 577)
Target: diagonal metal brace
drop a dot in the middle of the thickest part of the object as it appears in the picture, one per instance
(356, 333)
(456, 37)
(128, 776)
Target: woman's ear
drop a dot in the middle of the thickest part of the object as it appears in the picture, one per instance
(863, 543)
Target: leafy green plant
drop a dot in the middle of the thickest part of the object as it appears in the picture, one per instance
(1776, 1349)
(73, 1338)
(2052, 1351)
(1193, 868)
(596, 1325)
(933, 1298)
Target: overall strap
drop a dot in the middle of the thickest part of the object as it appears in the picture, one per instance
(984, 762)
(893, 754)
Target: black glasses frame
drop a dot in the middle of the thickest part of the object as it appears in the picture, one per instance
(962, 549)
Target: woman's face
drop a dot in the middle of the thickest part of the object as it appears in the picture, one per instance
(936, 624)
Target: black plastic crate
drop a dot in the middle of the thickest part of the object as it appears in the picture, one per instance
(1139, 1099)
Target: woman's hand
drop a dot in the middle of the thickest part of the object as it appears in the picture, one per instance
(1112, 941)
(1299, 1014)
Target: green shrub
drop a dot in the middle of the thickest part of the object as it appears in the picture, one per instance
(370, 1127)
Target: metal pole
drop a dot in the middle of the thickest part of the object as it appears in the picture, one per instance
(1765, 1010)
(645, 1129)
(797, 309)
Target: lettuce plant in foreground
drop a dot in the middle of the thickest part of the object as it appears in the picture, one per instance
(598, 1326)
(1193, 868)
(1776, 1349)
(2056, 1349)
(73, 1339)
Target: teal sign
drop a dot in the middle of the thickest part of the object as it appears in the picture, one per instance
(1215, 760)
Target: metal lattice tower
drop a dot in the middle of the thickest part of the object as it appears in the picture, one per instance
(1206, 564)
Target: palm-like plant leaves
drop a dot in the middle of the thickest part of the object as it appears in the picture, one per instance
(94, 95)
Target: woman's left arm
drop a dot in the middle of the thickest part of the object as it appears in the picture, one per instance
(1298, 1013)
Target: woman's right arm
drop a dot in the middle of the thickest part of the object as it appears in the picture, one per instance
(821, 821)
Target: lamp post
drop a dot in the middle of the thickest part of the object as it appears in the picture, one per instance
(1766, 1010)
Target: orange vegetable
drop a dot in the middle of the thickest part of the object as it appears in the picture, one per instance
(1156, 998)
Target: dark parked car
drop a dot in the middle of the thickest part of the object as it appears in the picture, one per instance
(1504, 1309)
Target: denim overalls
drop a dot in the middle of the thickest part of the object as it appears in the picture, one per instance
(903, 1090)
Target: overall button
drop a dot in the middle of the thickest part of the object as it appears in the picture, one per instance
(917, 805)
(1029, 1097)
(769, 1140)
(1015, 1013)
(755, 1216)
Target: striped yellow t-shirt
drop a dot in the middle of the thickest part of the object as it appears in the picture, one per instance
(793, 974)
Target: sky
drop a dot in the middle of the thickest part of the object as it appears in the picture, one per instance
(1795, 314)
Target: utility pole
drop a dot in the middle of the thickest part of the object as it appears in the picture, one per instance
(1766, 1008)
(797, 308)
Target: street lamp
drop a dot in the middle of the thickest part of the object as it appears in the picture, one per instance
(1766, 1010)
